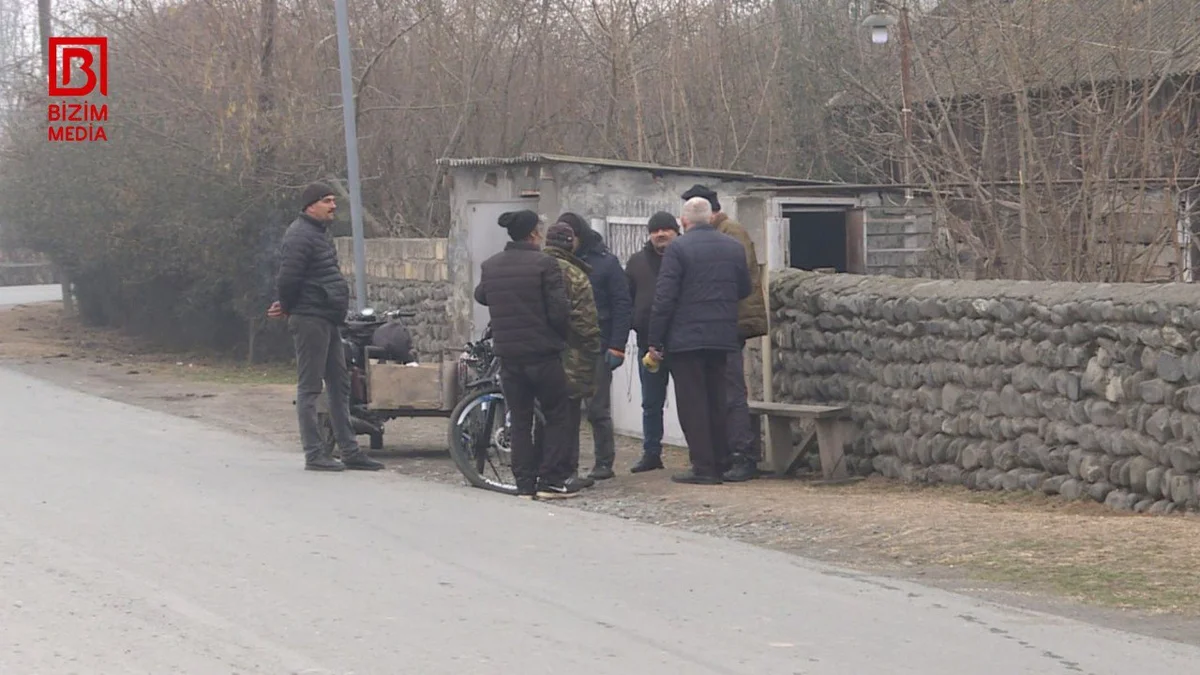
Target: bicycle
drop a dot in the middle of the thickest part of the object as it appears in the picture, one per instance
(481, 448)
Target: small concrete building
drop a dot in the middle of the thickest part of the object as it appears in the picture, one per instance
(793, 223)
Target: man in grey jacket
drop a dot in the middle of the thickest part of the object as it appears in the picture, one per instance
(314, 296)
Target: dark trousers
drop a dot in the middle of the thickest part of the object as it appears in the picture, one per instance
(743, 429)
(542, 381)
(654, 398)
(700, 392)
(599, 414)
(574, 422)
(320, 359)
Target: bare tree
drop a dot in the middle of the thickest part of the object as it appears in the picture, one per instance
(1049, 158)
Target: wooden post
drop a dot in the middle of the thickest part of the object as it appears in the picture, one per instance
(68, 298)
(768, 379)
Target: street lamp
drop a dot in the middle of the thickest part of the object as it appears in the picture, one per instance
(879, 24)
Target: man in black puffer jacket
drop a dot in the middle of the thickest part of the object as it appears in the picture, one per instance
(526, 296)
(314, 296)
(694, 322)
(642, 274)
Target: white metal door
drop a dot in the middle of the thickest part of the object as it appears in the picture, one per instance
(485, 239)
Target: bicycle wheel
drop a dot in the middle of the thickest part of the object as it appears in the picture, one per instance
(480, 440)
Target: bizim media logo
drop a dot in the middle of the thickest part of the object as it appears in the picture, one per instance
(78, 70)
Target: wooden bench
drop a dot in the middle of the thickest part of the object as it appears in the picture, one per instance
(783, 454)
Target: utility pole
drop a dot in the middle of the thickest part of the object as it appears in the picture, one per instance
(906, 90)
(356, 207)
(44, 30)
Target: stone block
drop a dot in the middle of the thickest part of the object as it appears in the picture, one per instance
(1122, 500)
(1072, 489)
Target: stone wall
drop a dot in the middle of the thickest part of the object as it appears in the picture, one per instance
(21, 267)
(27, 274)
(1089, 391)
(410, 275)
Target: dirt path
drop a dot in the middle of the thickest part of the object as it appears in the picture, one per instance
(1129, 571)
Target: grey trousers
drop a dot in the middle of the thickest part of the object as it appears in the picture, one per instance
(740, 427)
(599, 414)
(320, 359)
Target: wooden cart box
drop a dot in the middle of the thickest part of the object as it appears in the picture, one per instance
(426, 386)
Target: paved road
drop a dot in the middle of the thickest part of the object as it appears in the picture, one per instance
(136, 542)
(16, 295)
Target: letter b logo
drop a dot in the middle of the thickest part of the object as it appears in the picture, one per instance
(77, 60)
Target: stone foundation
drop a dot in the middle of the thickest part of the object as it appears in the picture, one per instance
(27, 274)
(409, 275)
(1089, 391)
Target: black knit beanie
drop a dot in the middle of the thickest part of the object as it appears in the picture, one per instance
(518, 223)
(561, 236)
(315, 192)
(663, 221)
(701, 191)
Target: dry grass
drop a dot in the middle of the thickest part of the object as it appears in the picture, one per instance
(1079, 550)
(40, 331)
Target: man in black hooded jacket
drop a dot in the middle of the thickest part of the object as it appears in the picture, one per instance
(314, 296)
(614, 308)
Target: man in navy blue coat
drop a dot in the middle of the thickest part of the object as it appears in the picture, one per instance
(615, 310)
(695, 320)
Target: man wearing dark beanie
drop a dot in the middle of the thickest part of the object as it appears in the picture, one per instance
(526, 296)
(614, 307)
(314, 296)
(641, 272)
(744, 443)
(583, 333)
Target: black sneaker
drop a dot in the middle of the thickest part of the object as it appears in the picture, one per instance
(690, 477)
(527, 490)
(743, 469)
(647, 463)
(558, 489)
(601, 473)
(584, 481)
(323, 464)
(361, 462)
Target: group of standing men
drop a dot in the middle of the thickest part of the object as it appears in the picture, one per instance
(561, 309)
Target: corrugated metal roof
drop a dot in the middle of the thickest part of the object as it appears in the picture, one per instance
(549, 158)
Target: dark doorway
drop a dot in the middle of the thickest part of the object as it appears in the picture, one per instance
(817, 240)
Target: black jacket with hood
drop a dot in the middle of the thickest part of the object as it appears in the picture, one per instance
(610, 288)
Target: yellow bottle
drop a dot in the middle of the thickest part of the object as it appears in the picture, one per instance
(650, 362)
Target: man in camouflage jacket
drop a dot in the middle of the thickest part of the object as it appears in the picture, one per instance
(583, 334)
